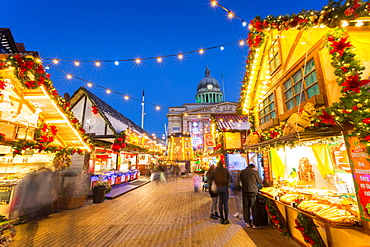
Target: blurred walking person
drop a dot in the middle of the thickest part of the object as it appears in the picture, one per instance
(236, 190)
(221, 177)
(250, 180)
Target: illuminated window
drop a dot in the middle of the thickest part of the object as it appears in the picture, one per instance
(267, 109)
(274, 56)
(297, 90)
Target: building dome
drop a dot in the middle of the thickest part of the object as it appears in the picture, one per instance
(208, 90)
(208, 80)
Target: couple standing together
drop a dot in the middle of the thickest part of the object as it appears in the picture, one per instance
(249, 180)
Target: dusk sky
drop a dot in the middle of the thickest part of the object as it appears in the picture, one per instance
(118, 30)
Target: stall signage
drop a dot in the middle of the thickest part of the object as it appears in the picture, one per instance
(361, 173)
(209, 140)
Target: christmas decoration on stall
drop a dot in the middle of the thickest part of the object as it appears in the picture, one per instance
(119, 142)
(31, 74)
(95, 110)
(277, 219)
(353, 107)
(308, 230)
(2, 136)
(330, 15)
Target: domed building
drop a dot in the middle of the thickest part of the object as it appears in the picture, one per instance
(208, 90)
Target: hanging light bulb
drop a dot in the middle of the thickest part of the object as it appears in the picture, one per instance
(97, 64)
(244, 23)
(116, 63)
(77, 63)
(55, 61)
(230, 14)
(137, 60)
(159, 59)
(201, 51)
(241, 42)
(89, 84)
(108, 91)
(214, 3)
(180, 56)
(222, 48)
(69, 76)
(126, 97)
(157, 107)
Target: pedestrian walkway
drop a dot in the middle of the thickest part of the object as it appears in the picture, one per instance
(164, 214)
(123, 188)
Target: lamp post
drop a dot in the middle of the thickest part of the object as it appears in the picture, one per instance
(142, 111)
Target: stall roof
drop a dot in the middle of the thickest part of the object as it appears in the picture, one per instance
(116, 120)
(53, 114)
(231, 122)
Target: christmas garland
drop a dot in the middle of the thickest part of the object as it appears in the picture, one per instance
(277, 219)
(354, 106)
(308, 230)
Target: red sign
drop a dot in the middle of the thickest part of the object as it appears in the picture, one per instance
(361, 173)
(208, 138)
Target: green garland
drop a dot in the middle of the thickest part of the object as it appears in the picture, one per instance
(308, 230)
(277, 219)
(354, 106)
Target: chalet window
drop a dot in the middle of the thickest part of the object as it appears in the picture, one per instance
(297, 90)
(274, 56)
(267, 109)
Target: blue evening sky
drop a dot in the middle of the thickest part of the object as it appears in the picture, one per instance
(122, 29)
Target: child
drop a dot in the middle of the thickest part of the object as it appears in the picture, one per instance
(196, 181)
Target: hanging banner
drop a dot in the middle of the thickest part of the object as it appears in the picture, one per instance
(361, 173)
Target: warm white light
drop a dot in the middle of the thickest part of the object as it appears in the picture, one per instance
(108, 91)
(214, 3)
(77, 63)
(126, 97)
(201, 51)
(69, 76)
(185, 114)
(244, 23)
(55, 61)
(159, 59)
(97, 64)
(157, 108)
(344, 23)
(359, 24)
(230, 15)
(116, 63)
(38, 60)
(222, 48)
(241, 42)
(199, 116)
(250, 26)
(180, 56)
(138, 60)
(89, 84)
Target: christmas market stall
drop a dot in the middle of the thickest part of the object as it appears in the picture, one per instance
(38, 131)
(118, 141)
(306, 93)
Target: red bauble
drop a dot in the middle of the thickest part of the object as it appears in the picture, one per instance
(366, 120)
(120, 139)
(123, 145)
(115, 147)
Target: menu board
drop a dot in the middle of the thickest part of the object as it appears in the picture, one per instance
(361, 173)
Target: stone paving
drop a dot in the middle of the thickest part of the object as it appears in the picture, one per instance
(164, 214)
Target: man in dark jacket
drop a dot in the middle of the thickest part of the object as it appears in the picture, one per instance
(250, 180)
(220, 176)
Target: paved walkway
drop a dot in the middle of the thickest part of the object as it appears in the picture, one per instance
(170, 214)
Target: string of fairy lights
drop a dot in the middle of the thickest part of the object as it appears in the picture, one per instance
(54, 62)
